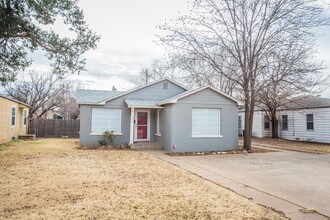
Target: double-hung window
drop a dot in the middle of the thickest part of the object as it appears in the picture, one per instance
(206, 122)
(104, 119)
(284, 122)
(310, 121)
(266, 123)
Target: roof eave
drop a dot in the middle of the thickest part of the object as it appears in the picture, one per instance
(145, 106)
(141, 87)
(90, 103)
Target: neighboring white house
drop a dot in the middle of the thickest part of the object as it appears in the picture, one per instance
(307, 120)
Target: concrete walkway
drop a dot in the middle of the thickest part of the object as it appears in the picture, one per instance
(286, 181)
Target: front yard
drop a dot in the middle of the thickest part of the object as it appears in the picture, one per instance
(293, 145)
(52, 179)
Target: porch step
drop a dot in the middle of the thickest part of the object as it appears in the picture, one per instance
(147, 145)
(27, 137)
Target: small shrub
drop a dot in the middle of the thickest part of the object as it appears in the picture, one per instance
(103, 142)
(109, 135)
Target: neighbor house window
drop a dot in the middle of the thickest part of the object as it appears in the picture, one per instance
(106, 120)
(284, 122)
(13, 116)
(310, 121)
(266, 122)
(206, 122)
(25, 117)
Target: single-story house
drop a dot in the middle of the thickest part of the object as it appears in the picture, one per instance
(14, 118)
(305, 119)
(164, 111)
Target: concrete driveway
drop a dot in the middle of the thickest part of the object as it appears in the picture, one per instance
(285, 180)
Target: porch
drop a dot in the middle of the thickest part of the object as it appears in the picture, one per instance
(144, 120)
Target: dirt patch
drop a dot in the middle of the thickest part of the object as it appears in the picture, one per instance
(294, 145)
(51, 178)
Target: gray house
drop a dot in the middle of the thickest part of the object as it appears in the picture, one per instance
(182, 120)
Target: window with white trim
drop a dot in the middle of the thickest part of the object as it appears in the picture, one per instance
(310, 121)
(25, 117)
(266, 123)
(13, 116)
(206, 122)
(284, 122)
(104, 119)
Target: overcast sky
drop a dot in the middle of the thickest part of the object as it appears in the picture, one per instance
(128, 29)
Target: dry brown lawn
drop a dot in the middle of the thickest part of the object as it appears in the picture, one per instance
(52, 179)
(295, 145)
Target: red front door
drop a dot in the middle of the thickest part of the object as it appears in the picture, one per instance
(142, 125)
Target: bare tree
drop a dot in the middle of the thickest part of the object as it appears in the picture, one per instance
(69, 108)
(42, 91)
(199, 73)
(235, 36)
(290, 74)
(159, 69)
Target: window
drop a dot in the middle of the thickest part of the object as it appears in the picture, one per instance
(310, 121)
(106, 120)
(284, 122)
(266, 122)
(239, 122)
(205, 122)
(13, 116)
(25, 117)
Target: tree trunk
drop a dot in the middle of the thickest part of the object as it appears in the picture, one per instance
(249, 110)
(274, 125)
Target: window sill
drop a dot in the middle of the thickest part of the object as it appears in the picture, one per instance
(158, 134)
(101, 134)
(206, 136)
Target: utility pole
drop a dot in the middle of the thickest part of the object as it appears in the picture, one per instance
(146, 76)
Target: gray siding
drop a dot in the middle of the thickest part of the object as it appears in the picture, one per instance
(156, 92)
(153, 92)
(166, 124)
(179, 115)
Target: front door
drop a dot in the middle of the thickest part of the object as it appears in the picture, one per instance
(142, 118)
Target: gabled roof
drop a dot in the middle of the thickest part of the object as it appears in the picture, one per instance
(84, 96)
(190, 92)
(14, 100)
(138, 88)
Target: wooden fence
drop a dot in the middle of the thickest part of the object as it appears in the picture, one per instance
(54, 128)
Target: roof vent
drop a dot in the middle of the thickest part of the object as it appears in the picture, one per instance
(165, 85)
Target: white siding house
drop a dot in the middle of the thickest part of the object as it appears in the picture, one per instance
(308, 120)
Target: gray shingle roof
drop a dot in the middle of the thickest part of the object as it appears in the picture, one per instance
(94, 96)
(306, 102)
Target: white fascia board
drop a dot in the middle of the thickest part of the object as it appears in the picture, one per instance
(145, 107)
(90, 103)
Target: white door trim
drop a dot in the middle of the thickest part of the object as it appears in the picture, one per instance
(135, 124)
